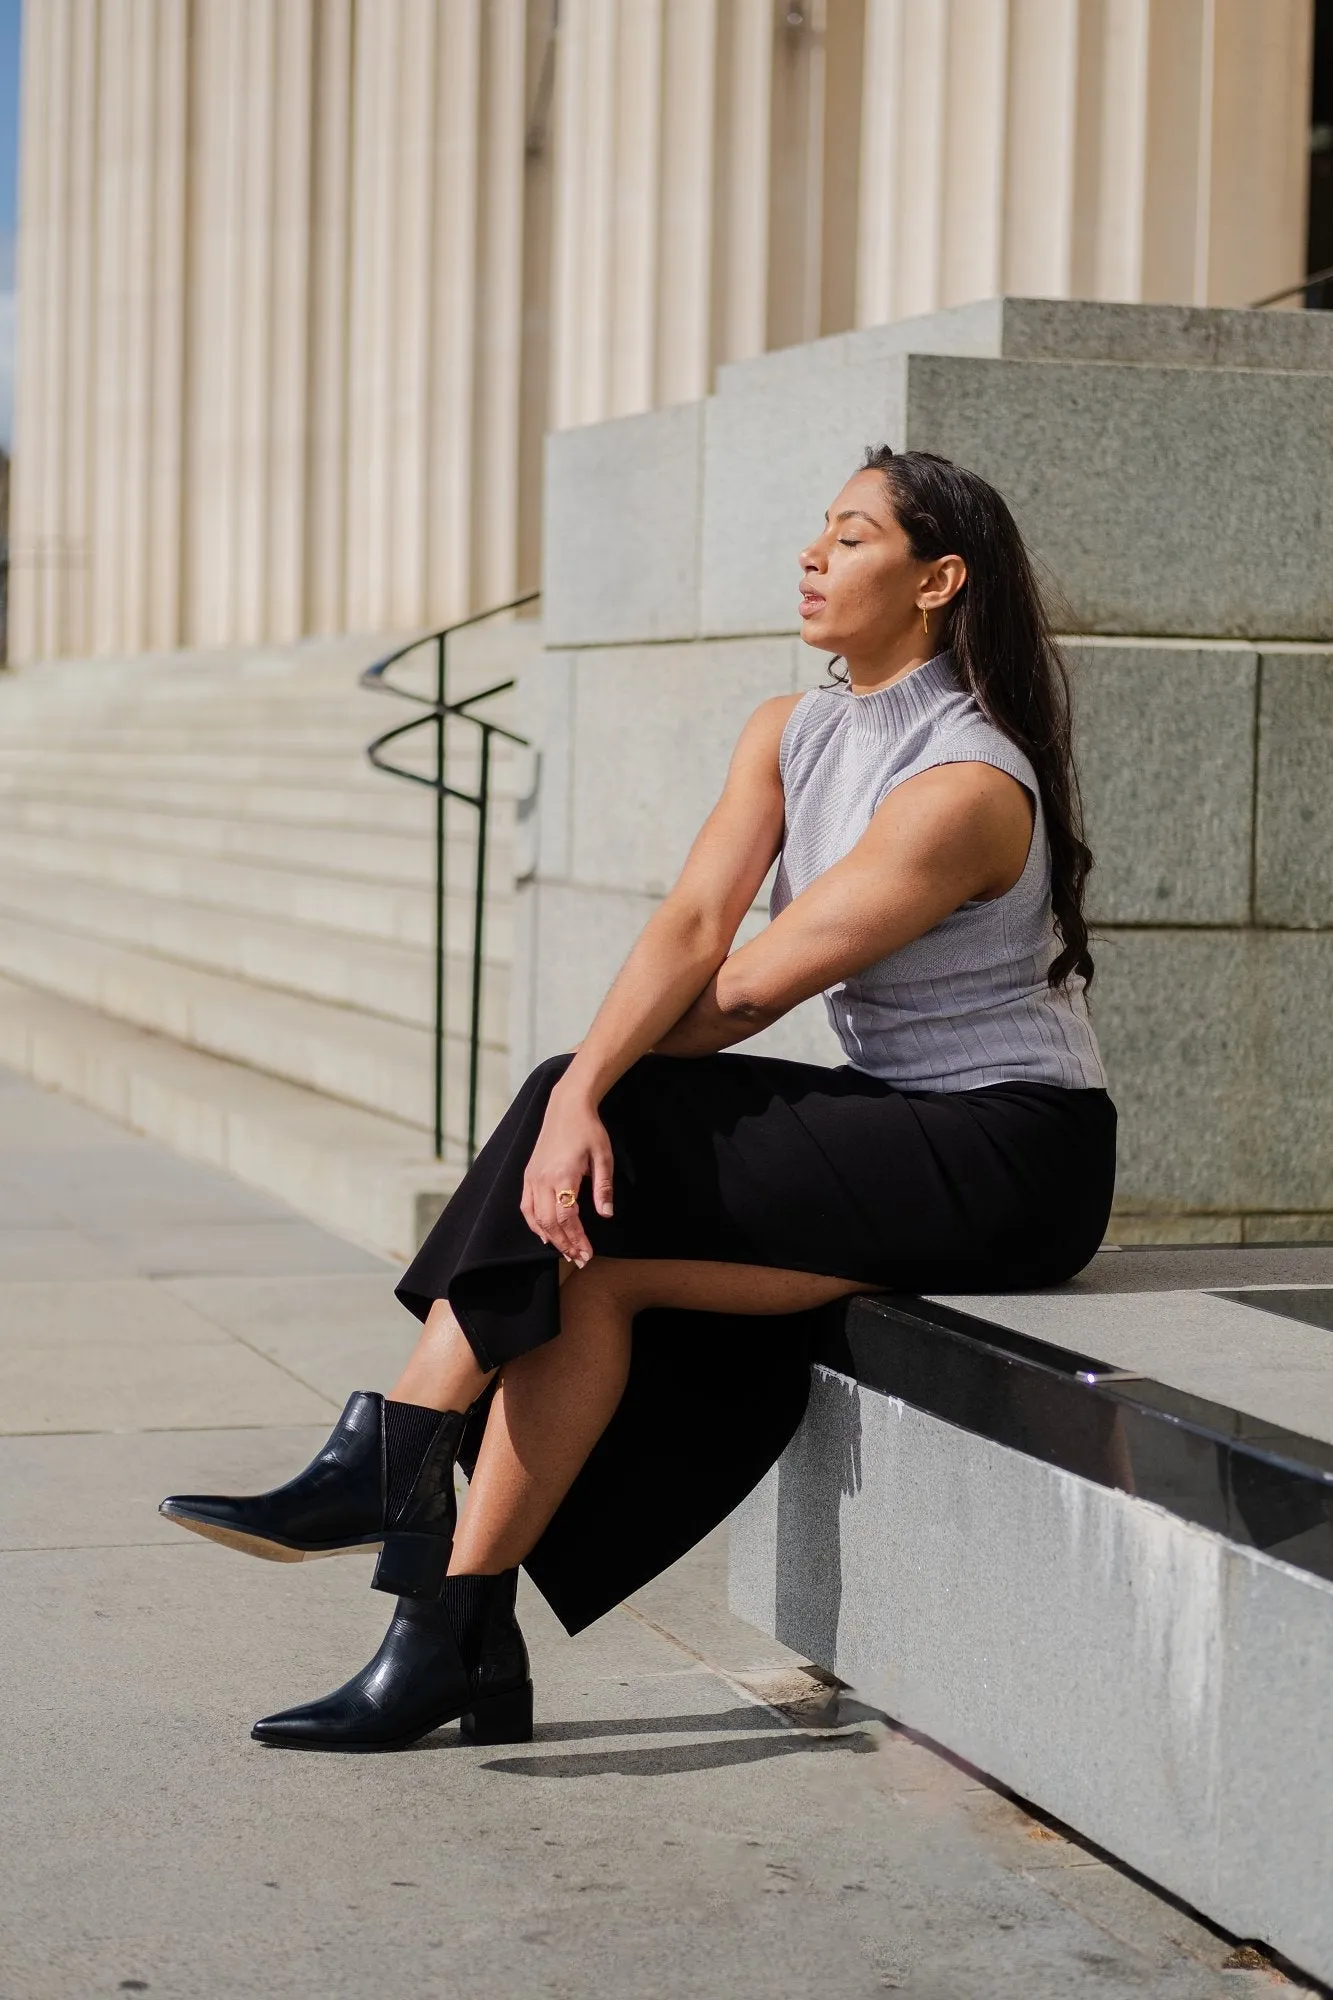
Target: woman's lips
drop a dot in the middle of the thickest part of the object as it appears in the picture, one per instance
(810, 604)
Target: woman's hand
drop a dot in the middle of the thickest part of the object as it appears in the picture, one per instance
(571, 1147)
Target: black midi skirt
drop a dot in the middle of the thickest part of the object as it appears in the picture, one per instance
(745, 1159)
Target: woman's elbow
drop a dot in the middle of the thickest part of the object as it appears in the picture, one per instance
(741, 1001)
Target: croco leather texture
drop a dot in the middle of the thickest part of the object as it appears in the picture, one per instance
(338, 1501)
(419, 1680)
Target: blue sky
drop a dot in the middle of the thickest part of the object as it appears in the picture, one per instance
(9, 148)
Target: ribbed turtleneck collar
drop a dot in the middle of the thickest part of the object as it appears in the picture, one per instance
(890, 711)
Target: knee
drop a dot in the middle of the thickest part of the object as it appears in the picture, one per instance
(606, 1281)
(551, 1069)
(542, 1079)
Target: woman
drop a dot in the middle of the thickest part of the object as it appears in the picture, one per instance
(619, 1302)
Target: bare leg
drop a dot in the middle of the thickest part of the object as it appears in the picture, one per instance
(442, 1372)
(553, 1404)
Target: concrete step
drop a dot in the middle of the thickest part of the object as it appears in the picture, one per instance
(477, 657)
(195, 760)
(366, 1176)
(388, 981)
(105, 769)
(134, 781)
(200, 746)
(394, 981)
(209, 899)
(360, 1059)
(359, 905)
(382, 854)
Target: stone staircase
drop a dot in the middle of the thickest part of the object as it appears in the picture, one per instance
(216, 918)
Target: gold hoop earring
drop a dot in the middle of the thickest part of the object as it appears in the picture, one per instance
(925, 621)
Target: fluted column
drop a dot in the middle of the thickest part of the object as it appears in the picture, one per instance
(499, 315)
(741, 239)
(449, 415)
(1149, 150)
(105, 571)
(166, 440)
(214, 312)
(42, 137)
(881, 142)
(635, 253)
(796, 135)
(289, 304)
(971, 252)
(1251, 236)
(689, 145)
(840, 205)
(413, 341)
(920, 164)
(295, 301)
(70, 409)
(326, 381)
(1041, 182)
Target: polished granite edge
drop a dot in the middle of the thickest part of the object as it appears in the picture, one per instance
(1310, 1305)
(1260, 1485)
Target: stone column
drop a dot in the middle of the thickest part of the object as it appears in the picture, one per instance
(405, 322)
(499, 332)
(744, 107)
(450, 520)
(294, 305)
(166, 441)
(289, 304)
(1141, 150)
(40, 136)
(635, 190)
(326, 379)
(689, 152)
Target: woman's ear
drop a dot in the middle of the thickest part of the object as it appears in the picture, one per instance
(947, 578)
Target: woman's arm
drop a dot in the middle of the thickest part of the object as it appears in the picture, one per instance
(954, 832)
(680, 948)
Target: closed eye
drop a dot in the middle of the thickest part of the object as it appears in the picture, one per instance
(848, 543)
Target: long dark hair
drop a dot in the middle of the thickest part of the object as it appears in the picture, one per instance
(998, 631)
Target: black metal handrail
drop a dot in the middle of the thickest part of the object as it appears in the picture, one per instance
(1310, 283)
(437, 710)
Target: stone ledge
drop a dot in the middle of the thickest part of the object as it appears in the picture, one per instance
(1149, 1679)
(1017, 329)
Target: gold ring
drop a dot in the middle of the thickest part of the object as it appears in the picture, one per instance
(566, 1197)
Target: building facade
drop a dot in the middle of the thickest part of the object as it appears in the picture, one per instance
(303, 283)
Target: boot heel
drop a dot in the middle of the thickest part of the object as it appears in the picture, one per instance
(412, 1565)
(501, 1718)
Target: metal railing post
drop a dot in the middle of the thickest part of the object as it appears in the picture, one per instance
(478, 919)
(437, 711)
(441, 644)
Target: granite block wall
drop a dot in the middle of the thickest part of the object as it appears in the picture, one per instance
(1140, 1677)
(1170, 466)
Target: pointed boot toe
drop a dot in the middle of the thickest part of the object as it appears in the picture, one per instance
(384, 1480)
(235, 1524)
(306, 1727)
(435, 1665)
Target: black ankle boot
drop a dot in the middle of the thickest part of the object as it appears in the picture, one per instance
(385, 1479)
(458, 1657)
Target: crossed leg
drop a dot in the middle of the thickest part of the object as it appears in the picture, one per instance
(551, 1405)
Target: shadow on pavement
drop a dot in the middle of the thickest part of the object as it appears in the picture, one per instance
(669, 1761)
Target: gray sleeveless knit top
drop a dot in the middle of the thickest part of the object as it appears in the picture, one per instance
(967, 1003)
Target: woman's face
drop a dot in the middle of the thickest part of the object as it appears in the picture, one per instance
(862, 590)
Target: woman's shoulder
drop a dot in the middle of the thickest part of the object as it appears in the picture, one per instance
(766, 725)
(810, 719)
(964, 725)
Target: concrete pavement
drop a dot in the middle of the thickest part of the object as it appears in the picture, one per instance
(697, 1816)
